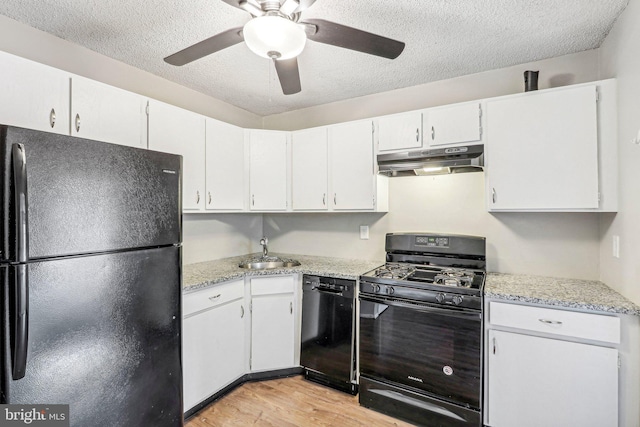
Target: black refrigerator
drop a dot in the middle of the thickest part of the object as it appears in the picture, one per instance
(90, 268)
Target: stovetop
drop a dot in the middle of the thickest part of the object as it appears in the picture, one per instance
(455, 287)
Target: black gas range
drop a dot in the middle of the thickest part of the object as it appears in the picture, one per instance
(421, 330)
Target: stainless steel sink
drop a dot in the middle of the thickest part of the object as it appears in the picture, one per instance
(270, 262)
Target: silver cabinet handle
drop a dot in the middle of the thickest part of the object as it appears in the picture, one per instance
(494, 345)
(52, 117)
(417, 134)
(334, 199)
(197, 197)
(77, 122)
(550, 322)
(213, 298)
(241, 312)
(324, 199)
(209, 197)
(253, 200)
(433, 133)
(493, 195)
(291, 307)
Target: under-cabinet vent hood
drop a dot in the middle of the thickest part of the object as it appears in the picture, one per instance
(437, 161)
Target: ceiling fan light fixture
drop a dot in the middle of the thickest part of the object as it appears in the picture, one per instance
(274, 37)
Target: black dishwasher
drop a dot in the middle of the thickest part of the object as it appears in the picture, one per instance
(328, 352)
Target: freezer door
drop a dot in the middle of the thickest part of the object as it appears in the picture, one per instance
(104, 337)
(88, 197)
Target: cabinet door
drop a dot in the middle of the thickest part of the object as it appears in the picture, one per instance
(537, 382)
(352, 166)
(272, 332)
(34, 96)
(177, 131)
(400, 131)
(268, 170)
(309, 173)
(542, 150)
(213, 349)
(105, 113)
(453, 124)
(224, 166)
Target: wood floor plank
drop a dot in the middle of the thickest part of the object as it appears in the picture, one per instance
(289, 402)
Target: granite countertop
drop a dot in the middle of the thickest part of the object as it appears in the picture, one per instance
(204, 274)
(553, 291)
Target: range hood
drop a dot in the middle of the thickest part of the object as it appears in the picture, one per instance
(437, 161)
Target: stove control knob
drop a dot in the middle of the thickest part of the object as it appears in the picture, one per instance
(457, 300)
(440, 297)
(390, 290)
(375, 288)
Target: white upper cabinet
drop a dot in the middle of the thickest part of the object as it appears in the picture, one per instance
(268, 171)
(177, 131)
(225, 169)
(542, 150)
(108, 114)
(457, 124)
(34, 96)
(351, 166)
(400, 131)
(309, 169)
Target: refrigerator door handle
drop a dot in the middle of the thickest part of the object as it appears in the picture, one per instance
(21, 203)
(20, 320)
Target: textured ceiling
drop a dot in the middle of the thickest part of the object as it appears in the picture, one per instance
(444, 39)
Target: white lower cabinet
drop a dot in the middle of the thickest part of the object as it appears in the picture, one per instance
(213, 340)
(273, 323)
(539, 375)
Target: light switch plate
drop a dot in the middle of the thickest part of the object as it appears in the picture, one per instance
(364, 232)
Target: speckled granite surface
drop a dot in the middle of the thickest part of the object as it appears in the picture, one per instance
(570, 293)
(203, 274)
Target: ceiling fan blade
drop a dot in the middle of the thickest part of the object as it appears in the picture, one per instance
(351, 38)
(206, 47)
(289, 75)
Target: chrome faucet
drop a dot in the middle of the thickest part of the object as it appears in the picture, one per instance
(264, 242)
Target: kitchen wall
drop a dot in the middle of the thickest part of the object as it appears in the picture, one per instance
(553, 244)
(619, 58)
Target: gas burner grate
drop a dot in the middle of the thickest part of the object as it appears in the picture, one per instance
(454, 277)
(393, 271)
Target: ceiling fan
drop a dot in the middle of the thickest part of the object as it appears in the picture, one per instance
(276, 32)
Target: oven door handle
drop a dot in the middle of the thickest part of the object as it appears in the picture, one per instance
(457, 313)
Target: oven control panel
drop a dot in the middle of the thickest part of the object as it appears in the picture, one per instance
(432, 241)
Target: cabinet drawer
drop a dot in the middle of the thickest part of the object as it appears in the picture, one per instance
(211, 297)
(272, 285)
(559, 322)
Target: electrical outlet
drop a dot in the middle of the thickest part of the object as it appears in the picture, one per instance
(616, 246)
(364, 232)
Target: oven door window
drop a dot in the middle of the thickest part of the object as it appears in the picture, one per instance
(431, 349)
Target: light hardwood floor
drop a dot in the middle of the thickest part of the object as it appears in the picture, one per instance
(289, 402)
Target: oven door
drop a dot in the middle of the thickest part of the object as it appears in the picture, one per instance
(429, 349)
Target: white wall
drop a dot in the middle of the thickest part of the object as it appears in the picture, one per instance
(552, 244)
(620, 58)
(569, 69)
(214, 236)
